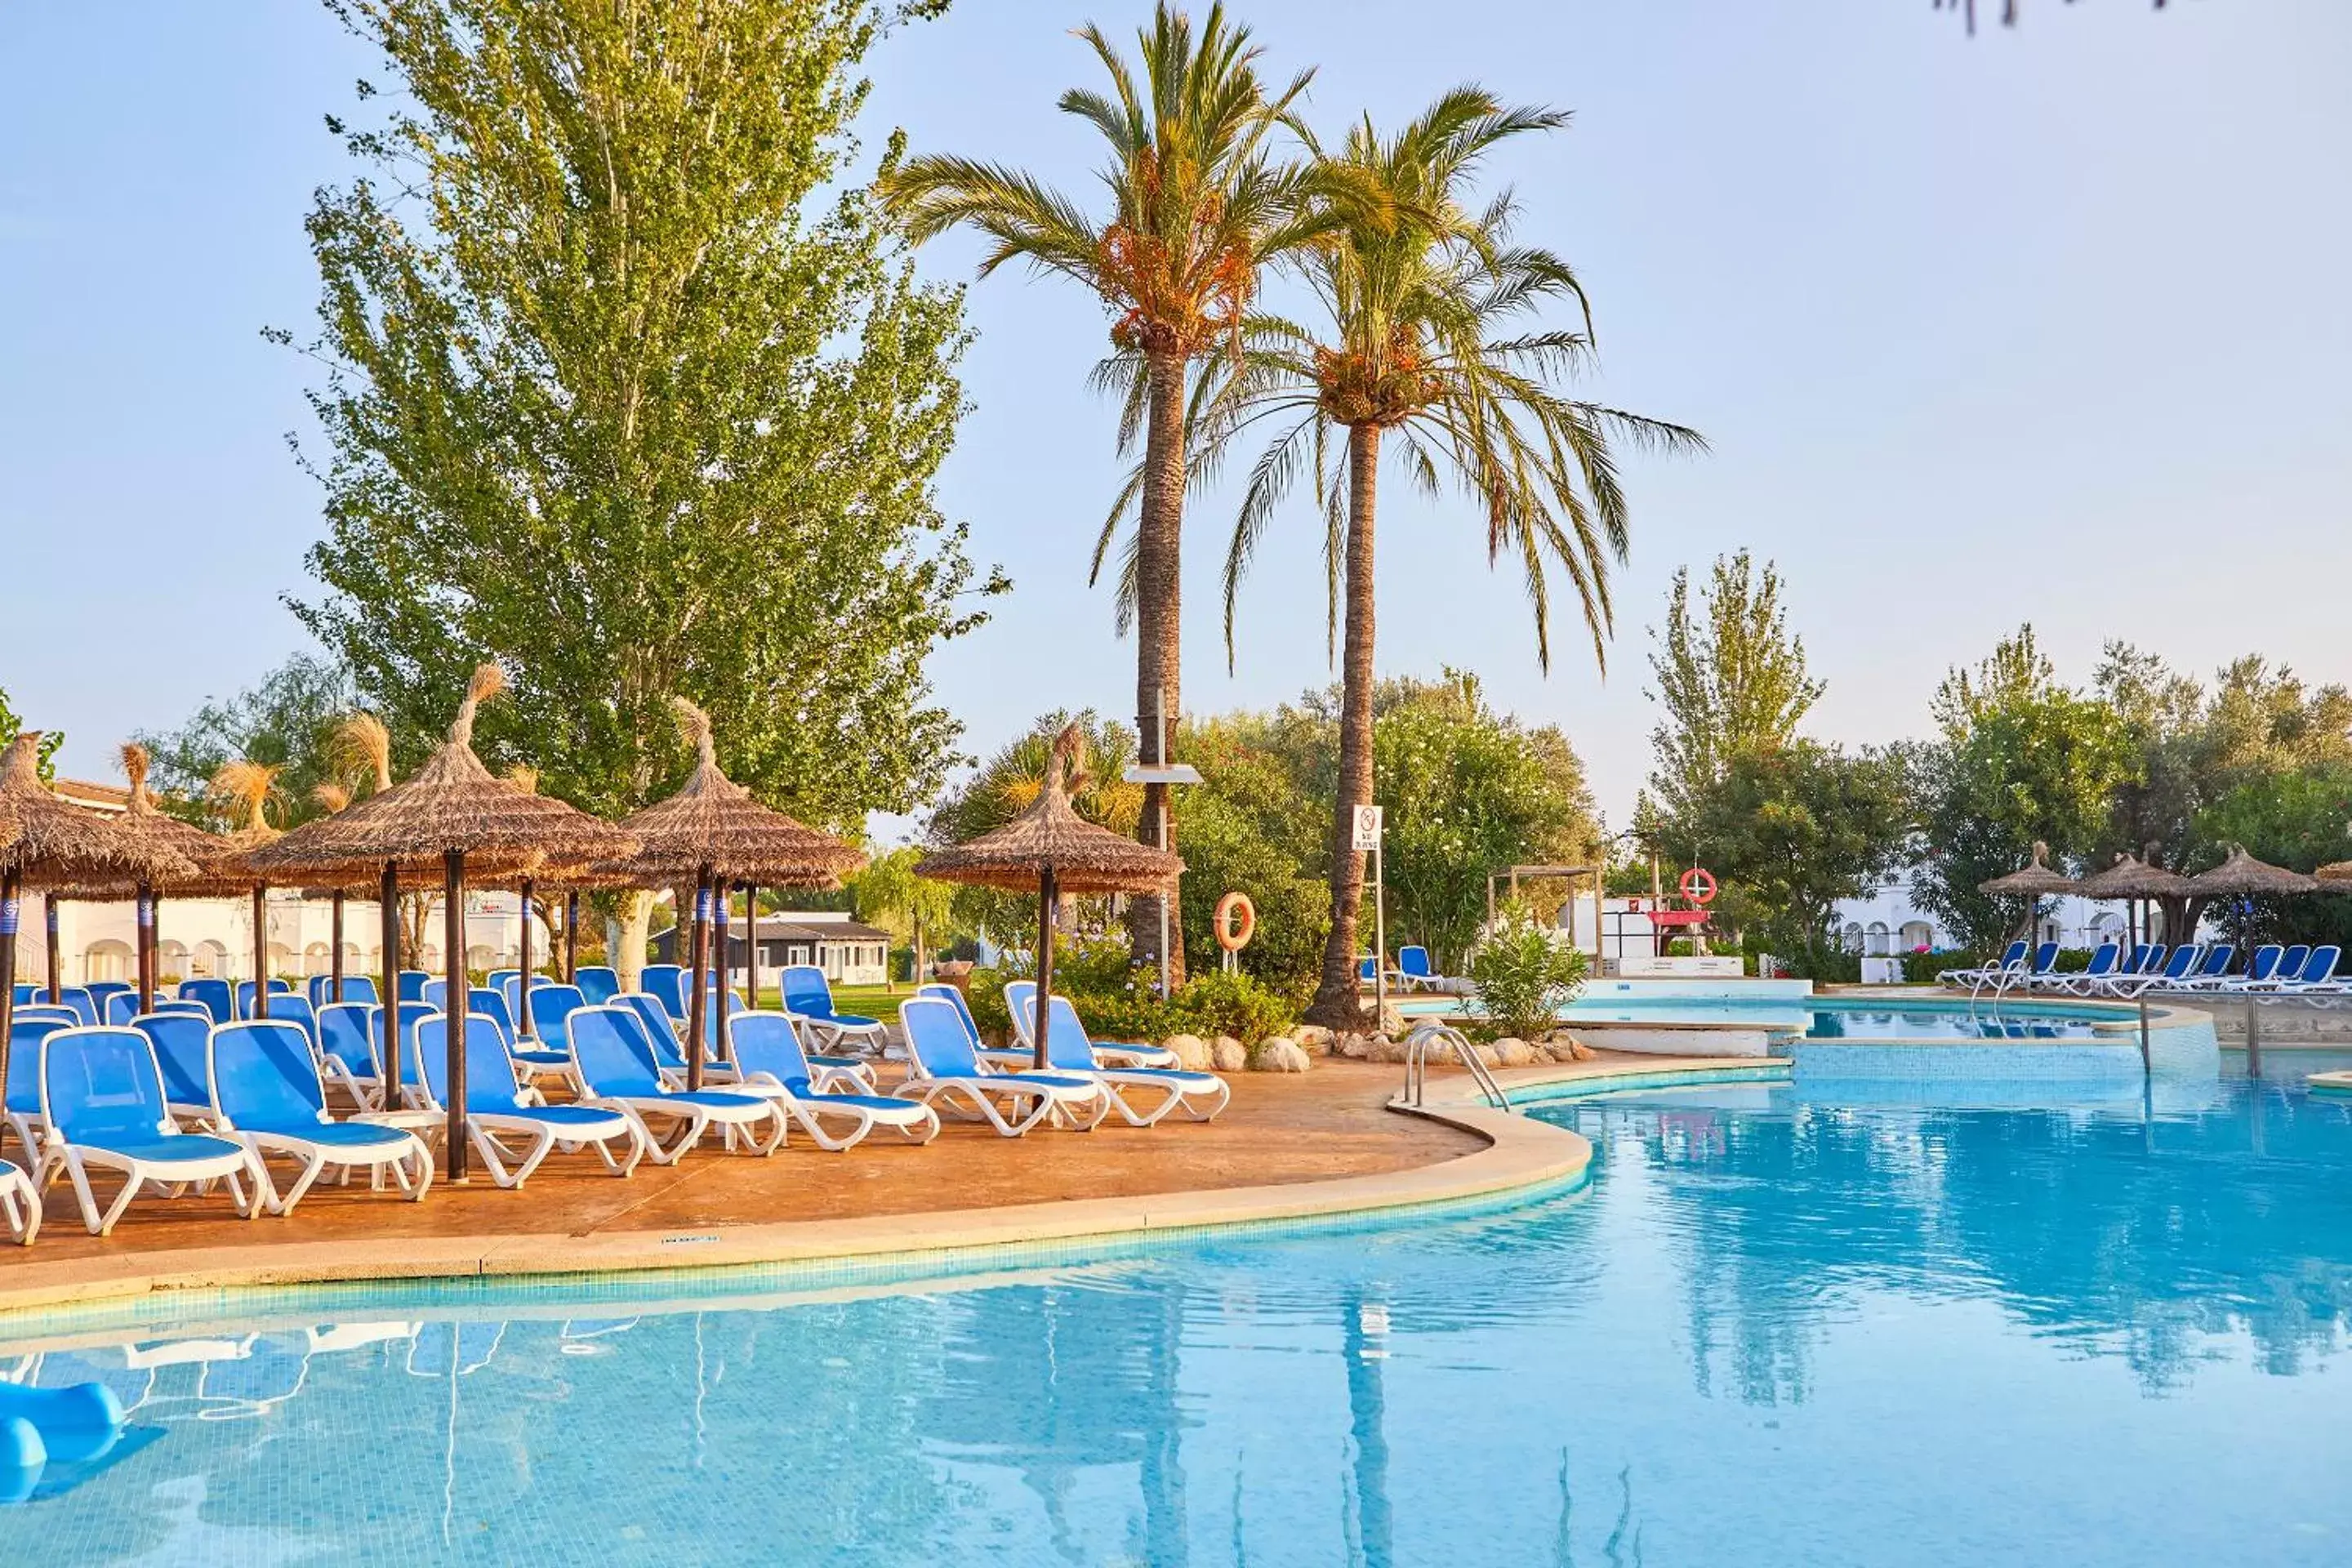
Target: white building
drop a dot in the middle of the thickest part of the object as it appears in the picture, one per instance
(1891, 921)
(215, 936)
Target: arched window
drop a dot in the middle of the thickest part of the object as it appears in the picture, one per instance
(210, 959)
(171, 961)
(1919, 936)
(1852, 943)
(1875, 940)
(106, 960)
(317, 958)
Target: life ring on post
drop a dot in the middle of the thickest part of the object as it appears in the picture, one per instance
(1698, 886)
(1234, 923)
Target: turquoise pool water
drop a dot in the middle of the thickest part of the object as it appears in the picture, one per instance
(1772, 1330)
(1830, 1018)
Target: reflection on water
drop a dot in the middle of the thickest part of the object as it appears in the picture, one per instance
(1774, 1331)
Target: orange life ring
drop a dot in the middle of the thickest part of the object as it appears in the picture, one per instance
(1698, 886)
(1234, 923)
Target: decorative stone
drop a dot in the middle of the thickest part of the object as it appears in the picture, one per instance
(1381, 1048)
(1314, 1039)
(1511, 1052)
(1229, 1055)
(1192, 1053)
(1579, 1051)
(1276, 1054)
(1393, 1023)
(1355, 1048)
(1559, 1040)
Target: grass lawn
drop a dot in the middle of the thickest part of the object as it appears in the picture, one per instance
(867, 1001)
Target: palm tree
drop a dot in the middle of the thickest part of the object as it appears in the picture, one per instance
(1198, 208)
(1427, 342)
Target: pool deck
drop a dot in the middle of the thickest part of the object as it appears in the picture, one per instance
(1289, 1148)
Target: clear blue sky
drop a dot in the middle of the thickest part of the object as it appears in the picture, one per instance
(2049, 325)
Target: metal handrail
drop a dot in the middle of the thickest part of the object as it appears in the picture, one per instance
(1417, 1047)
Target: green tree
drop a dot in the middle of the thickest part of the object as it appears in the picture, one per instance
(914, 910)
(627, 384)
(1791, 830)
(1428, 340)
(1197, 207)
(1731, 679)
(288, 722)
(11, 726)
(2300, 819)
(1254, 826)
(2021, 759)
(1466, 791)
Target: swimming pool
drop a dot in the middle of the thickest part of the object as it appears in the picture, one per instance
(1774, 1330)
(1795, 1015)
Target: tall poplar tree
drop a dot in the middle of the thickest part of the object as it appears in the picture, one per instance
(626, 385)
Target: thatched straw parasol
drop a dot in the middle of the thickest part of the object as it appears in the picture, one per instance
(2239, 874)
(46, 843)
(713, 834)
(244, 787)
(203, 851)
(2034, 879)
(450, 809)
(1052, 851)
(2334, 873)
(2133, 880)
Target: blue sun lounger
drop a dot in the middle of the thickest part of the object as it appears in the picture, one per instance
(1199, 1095)
(498, 1115)
(614, 1067)
(807, 996)
(268, 1095)
(1021, 1005)
(182, 1044)
(20, 1203)
(103, 1099)
(770, 1062)
(942, 1065)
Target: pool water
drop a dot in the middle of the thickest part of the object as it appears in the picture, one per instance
(1771, 1330)
(1831, 1018)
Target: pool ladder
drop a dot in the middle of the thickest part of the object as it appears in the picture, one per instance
(1427, 1038)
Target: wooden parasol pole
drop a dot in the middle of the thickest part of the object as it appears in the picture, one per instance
(725, 1040)
(144, 935)
(260, 951)
(8, 911)
(335, 941)
(697, 996)
(50, 903)
(453, 938)
(523, 1022)
(388, 1004)
(751, 942)
(572, 937)
(1048, 902)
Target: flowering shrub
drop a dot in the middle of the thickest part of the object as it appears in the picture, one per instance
(1520, 976)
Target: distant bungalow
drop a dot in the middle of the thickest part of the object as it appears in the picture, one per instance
(848, 952)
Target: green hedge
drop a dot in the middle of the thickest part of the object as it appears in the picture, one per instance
(1117, 1002)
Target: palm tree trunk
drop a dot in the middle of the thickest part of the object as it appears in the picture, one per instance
(1159, 606)
(1338, 1000)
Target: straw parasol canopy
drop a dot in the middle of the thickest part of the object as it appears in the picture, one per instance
(2239, 874)
(2132, 878)
(143, 820)
(2034, 879)
(1050, 849)
(2337, 872)
(713, 827)
(46, 842)
(712, 831)
(1048, 836)
(451, 805)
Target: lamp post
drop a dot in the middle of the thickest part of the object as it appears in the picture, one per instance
(1163, 772)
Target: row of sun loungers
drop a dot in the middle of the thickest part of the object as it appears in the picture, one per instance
(176, 1098)
(2273, 970)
